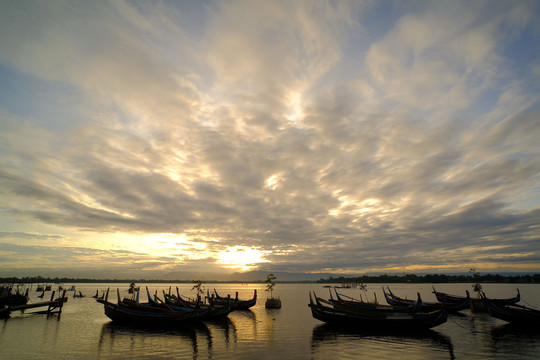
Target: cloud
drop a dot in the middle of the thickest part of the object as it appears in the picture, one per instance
(292, 129)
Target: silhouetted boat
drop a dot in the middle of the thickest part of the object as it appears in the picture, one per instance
(141, 315)
(183, 301)
(394, 300)
(453, 303)
(9, 298)
(216, 310)
(355, 305)
(236, 303)
(478, 305)
(138, 314)
(512, 313)
(375, 319)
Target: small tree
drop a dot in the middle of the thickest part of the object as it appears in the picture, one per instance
(363, 287)
(477, 287)
(270, 283)
(199, 289)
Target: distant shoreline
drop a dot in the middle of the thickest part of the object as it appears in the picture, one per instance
(367, 279)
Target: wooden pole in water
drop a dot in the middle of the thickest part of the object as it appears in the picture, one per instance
(50, 302)
(61, 305)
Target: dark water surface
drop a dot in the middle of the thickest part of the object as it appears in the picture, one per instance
(84, 332)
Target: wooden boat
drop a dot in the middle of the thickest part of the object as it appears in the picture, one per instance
(355, 305)
(8, 298)
(512, 313)
(478, 305)
(182, 301)
(394, 300)
(237, 303)
(216, 310)
(371, 320)
(153, 304)
(206, 311)
(453, 303)
(136, 313)
(140, 315)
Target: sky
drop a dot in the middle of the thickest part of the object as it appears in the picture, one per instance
(185, 139)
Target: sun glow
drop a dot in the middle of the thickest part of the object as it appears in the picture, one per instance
(242, 257)
(295, 111)
(273, 181)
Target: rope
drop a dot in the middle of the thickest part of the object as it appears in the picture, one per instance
(526, 303)
(465, 328)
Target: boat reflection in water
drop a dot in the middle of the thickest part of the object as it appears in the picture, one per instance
(511, 341)
(329, 341)
(194, 341)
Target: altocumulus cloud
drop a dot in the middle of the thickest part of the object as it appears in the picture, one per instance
(322, 136)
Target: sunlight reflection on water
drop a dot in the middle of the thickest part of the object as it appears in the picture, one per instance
(84, 332)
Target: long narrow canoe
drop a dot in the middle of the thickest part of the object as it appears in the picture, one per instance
(453, 303)
(478, 305)
(512, 313)
(238, 304)
(216, 310)
(397, 301)
(141, 315)
(355, 305)
(376, 319)
(149, 313)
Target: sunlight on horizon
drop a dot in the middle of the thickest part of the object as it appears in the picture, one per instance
(242, 257)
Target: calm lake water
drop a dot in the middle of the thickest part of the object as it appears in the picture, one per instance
(84, 332)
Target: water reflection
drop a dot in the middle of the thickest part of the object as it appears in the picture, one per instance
(223, 333)
(246, 324)
(512, 341)
(334, 342)
(196, 341)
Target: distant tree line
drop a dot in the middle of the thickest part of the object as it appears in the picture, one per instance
(433, 279)
(62, 280)
(364, 279)
(57, 280)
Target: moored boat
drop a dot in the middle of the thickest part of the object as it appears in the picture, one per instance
(237, 303)
(133, 312)
(512, 313)
(356, 305)
(453, 303)
(371, 320)
(139, 315)
(216, 310)
(478, 305)
(10, 298)
(394, 300)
